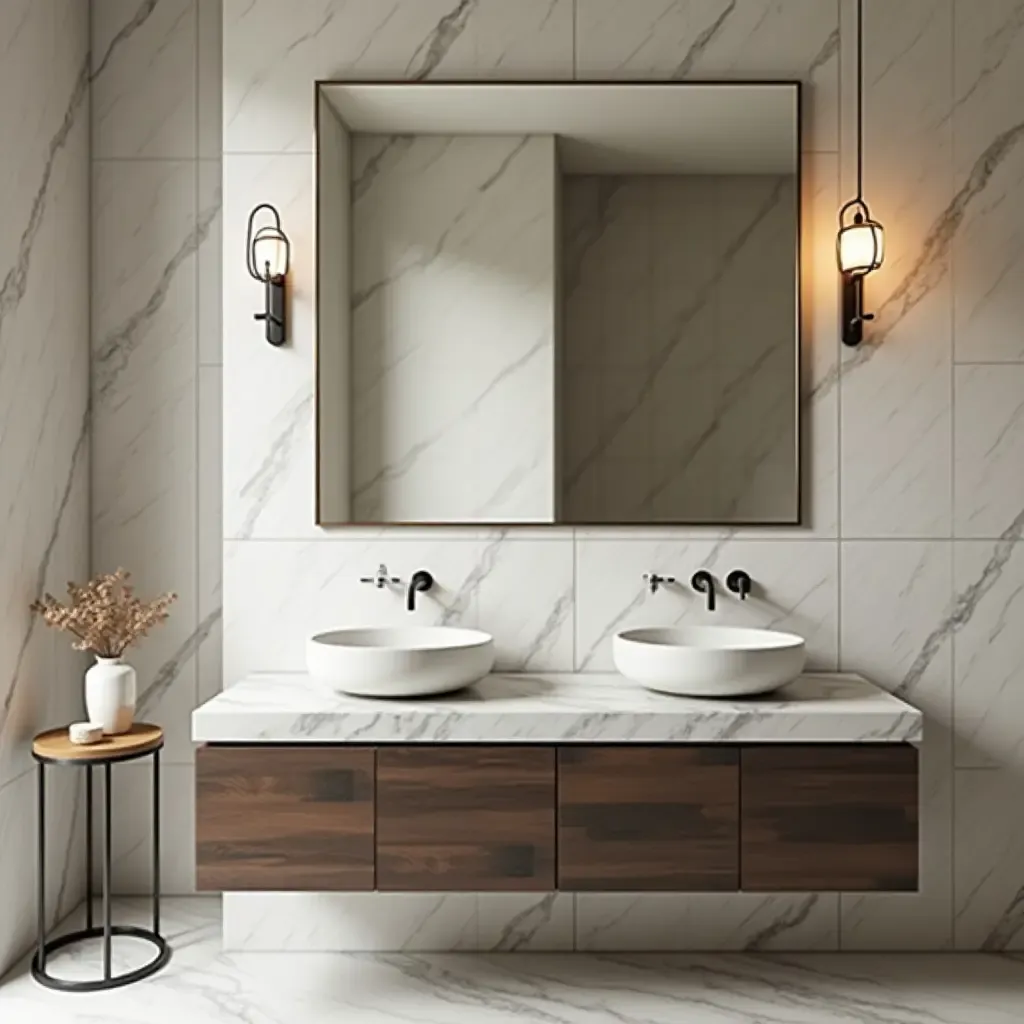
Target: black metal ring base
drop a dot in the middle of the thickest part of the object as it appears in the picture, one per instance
(61, 985)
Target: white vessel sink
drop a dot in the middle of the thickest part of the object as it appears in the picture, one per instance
(411, 661)
(709, 661)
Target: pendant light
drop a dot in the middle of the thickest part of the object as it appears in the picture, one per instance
(860, 244)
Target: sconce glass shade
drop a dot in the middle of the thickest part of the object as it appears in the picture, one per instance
(267, 251)
(860, 246)
(270, 254)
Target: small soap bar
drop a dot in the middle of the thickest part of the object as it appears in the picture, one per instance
(85, 732)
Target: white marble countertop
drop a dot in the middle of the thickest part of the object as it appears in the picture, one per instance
(555, 708)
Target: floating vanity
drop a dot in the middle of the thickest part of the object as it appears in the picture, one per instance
(556, 782)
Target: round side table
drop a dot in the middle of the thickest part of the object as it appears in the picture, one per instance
(54, 747)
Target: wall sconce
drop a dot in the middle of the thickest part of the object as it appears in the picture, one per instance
(860, 245)
(267, 254)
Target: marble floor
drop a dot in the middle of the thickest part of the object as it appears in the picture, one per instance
(202, 985)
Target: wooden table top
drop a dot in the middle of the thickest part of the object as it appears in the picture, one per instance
(54, 745)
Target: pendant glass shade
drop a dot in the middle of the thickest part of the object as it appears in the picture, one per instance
(860, 246)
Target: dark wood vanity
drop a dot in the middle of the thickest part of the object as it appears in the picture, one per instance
(714, 817)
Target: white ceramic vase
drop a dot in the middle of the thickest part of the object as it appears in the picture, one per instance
(110, 695)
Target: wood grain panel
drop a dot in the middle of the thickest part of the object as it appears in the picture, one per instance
(829, 817)
(465, 818)
(648, 818)
(290, 818)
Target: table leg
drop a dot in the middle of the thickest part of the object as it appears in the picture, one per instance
(88, 846)
(41, 867)
(156, 842)
(106, 871)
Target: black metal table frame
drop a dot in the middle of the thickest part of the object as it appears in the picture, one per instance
(106, 929)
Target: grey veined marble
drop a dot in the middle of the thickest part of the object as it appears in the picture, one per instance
(556, 708)
(204, 985)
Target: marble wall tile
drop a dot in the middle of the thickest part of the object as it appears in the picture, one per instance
(989, 653)
(308, 587)
(988, 449)
(65, 856)
(132, 822)
(210, 547)
(988, 166)
(525, 922)
(536, 633)
(897, 622)
(678, 398)
(44, 431)
(209, 262)
(819, 314)
(268, 409)
(391, 922)
(209, 79)
(896, 399)
(453, 266)
(270, 62)
(820, 378)
(143, 66)
(795, 588)
(657, 922)
(708, 39)
(44, 445)
(989, 880)
(144, 413)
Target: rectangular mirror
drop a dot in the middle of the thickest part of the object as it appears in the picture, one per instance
(558, 303)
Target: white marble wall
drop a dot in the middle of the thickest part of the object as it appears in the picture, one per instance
(909, 565)
(679, 386)
(454, 310)
(156, 375)
(44, 433)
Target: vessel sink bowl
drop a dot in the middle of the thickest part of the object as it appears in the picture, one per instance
(412, 661)
(709, 661)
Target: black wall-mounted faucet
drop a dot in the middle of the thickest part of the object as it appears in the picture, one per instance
(704, 583)
(421, 581)
(739, 583)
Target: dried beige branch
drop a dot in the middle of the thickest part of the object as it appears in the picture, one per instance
(104, 614)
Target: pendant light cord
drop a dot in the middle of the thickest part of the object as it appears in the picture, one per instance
(860, 99)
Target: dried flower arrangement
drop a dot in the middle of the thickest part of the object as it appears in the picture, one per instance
(105, 614)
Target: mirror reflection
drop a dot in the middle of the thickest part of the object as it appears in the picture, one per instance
(558, 303)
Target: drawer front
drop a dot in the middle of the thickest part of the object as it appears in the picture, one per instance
(648, 818)
(465, 818)
(287, 818)
(829, 817)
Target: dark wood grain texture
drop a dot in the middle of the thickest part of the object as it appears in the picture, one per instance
(465, 818)
(287, 818)
(648, 818)
(829, 817)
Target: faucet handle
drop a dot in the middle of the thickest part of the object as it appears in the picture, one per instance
(653, 581)
(380, 578)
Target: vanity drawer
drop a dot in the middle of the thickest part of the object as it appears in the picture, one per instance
(465, 818)
(648, 818)
(288, 818)
(829, 817)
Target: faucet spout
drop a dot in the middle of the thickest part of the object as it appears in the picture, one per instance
(703, 582)
(739, 582)
(421, 581)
